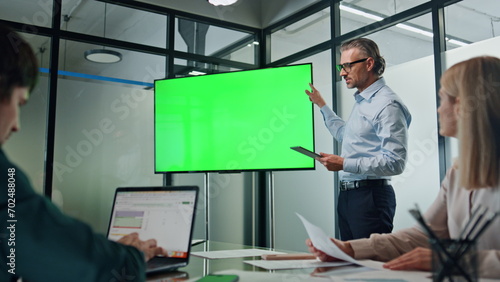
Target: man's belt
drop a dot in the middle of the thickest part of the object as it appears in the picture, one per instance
(351, 185)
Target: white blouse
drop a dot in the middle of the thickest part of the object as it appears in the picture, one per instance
(446, 216)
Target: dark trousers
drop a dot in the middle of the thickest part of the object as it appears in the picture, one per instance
(366, 210)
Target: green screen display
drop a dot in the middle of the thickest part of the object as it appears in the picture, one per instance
(235, 121)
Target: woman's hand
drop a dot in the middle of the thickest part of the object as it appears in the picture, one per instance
(343, 246)
(417, 259)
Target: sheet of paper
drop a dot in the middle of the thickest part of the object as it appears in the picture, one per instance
(233, 253)
(293, 264)
(323, 243)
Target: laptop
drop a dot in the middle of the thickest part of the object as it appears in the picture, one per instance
(162, 213)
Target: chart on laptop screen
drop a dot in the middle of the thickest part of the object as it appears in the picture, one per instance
(163, 215)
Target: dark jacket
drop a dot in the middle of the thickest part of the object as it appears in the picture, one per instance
(39, 243)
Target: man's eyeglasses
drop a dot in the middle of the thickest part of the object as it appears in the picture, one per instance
(347, 66)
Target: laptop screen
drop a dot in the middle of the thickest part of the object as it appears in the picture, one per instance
(162, 213)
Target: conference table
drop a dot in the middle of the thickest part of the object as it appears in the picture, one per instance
(199, 267)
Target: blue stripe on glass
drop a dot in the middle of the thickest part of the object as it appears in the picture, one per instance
(98, 77)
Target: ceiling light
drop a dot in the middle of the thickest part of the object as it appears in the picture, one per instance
(401, 26)
(103, 56)
(253, 44)
(416, 30)
(360, 13)
(196, 73)
(456, 42)
(222, 2)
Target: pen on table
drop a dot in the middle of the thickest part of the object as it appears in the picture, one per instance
(197, 242)
(288, 256)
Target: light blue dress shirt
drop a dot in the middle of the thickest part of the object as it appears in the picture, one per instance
(375, 137)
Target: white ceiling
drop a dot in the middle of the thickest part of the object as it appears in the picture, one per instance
(254, 13)
(88, 15)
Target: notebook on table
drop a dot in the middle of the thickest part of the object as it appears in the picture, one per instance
(162, 213)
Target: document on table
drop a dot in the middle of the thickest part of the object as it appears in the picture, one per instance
(323, 243)
(233, 253)
(293, 264)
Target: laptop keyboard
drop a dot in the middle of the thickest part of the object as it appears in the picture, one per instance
(164, 263)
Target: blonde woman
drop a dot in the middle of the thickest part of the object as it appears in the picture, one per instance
(469, 110)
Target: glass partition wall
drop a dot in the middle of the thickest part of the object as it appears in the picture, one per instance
(88, 126)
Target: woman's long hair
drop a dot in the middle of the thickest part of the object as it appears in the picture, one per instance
(476, 82)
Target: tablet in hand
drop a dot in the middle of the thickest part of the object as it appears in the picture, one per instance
(306, 152)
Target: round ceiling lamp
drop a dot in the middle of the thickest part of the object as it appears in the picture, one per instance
(103, 56)
(222, 2)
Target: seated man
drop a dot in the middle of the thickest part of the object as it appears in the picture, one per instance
(37, 241)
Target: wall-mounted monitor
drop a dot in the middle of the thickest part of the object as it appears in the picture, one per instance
(235, 121)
